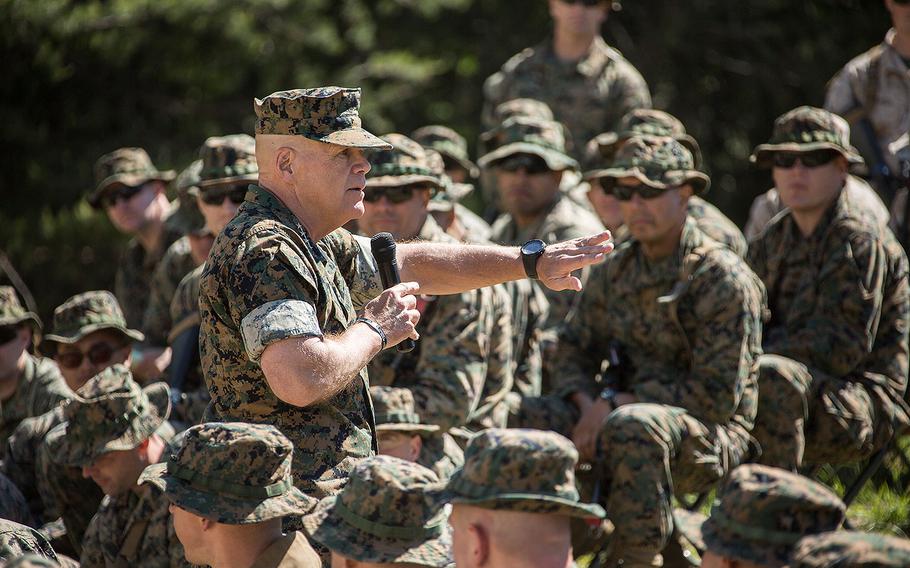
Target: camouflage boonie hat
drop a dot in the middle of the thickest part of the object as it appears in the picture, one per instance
(805, 129)
(110, 413)
(228, 160)
(187, 218)
(520, 470)
(12, 312)
(761, 514)
(525, 108)
(405, 162)
(656, 161)
(324, 114)
(86, 313)
(642, 121)
(232, 473)
(530, 136)
(126, 166)
(452, 194)
(395, 411)
(851, 549)
(450, 144)
(384, 514)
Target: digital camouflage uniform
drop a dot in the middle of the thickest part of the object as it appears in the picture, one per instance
(266, 280)
(588, 96)
(112, 413)
(238, 474)
(690, 328)
(132, 283)
(385, 514)
(191, 400)
(851, 549)
(396, 412)
(564, 220)
(40, 387)
(601, 150)
(835, 371)
(760, 514)
(17, 540)
(448, 371)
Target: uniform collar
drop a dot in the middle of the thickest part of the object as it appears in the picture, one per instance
(590, 65)
(281, 213)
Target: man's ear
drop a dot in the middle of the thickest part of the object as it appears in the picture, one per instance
(284, 161)
(206, 524)
(416, 446)
(479, 544)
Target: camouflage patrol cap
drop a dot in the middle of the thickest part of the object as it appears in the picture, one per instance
(187, 218)
(530, 136)
(450, 144)
(232, 473)
(520, 470)
(110, 413)
(125, 166)
(405, 162)
(228, 160)
(384, 514)
(324, 114)
(86, 313)
(640, 121)
(760, 515)
(395, 411)
(656, 161)
(805, 129)
(12, 312)
(851, 549)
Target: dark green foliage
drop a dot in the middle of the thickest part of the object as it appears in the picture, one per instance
(82, 77)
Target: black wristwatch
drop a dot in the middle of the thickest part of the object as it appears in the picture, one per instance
(531, 252)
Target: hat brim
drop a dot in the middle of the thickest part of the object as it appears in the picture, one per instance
(700, 531)
(556, 161)
(529, 503)
(355, 138)
(226, 510)
(219, 182)
(335, 534)
(133, 334)
(26, 316)
(464, 163)
(400, 181)
(405, 427)
(66, 453)
(763, 153)
(131, 180)
(699, 181)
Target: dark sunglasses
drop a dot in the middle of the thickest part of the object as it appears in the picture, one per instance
(395, 195)
(811, 159)
(98, 354)
(8, 333)
(589, 3)
(216, 196)
(625, 192)
(124, 192)
(532, 165)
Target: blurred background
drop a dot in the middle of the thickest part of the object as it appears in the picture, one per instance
(83, 77)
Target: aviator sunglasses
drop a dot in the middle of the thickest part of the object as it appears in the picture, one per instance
(625, 192)
(395, 195)
(811, 159)
(8, 333)
(98, 354)
(124, 192)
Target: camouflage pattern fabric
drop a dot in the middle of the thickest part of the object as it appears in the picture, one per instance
(228, 160)
(385, 514)
(125, 166)
(408, 163)
(17, 540)
(12, 503)
(447, 370)
(35, 561)
(232, 473)
(834, 379)
(190, 403)
(761, 513)
(805, 129)
(690, 327)
(12, 311)
(111, 413)
(768, 205)
(188, 218)
(450, 144)
(656, 161)
(324, 114)
(713, 223)
(176, 263)
(887, 80)
(135, 272)
(851, 549)
(642, 121)
(285, 285)
(522, 135)
(21, 458)
(40, 388)
(520, 470)
(87, 313)
(589, 96)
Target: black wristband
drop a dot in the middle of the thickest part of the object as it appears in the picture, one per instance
(375, 327)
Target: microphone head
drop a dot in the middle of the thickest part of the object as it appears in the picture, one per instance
(382, 245)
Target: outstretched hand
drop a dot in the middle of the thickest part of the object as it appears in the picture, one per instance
(560, 260)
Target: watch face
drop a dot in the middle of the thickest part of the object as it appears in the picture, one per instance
(533, 247)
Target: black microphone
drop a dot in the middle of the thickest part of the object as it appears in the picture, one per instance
(383, 247)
